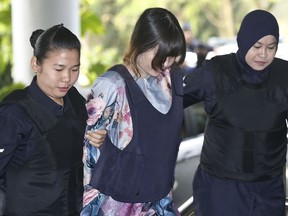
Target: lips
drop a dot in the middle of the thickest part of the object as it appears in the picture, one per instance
(63, 89)
(260, 63)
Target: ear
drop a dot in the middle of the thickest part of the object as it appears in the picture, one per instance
(34, 64)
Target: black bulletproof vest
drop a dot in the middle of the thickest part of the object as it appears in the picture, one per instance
(245, 137)
(50, 182)
(144, 170)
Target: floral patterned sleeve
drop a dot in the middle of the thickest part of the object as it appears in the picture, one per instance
(107, 108)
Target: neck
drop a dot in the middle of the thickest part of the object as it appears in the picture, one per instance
(59, 101)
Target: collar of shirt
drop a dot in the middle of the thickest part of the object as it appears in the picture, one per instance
(46, 101)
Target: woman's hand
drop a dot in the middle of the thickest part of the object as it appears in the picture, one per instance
(96, 138)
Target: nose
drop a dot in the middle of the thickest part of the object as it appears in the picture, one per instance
(66, 77)
(263, 52)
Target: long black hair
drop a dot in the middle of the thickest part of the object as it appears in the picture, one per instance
(156, 27)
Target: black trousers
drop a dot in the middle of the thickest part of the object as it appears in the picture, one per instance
(218, 197)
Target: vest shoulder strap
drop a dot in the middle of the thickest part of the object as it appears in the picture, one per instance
(42, 119)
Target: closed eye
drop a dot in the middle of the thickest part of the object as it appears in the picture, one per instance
(75, 69)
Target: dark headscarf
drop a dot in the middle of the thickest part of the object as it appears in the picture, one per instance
(255, 25)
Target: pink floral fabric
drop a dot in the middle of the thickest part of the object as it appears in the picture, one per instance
(108, 108)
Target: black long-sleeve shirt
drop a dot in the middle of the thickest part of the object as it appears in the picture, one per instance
(17, 131)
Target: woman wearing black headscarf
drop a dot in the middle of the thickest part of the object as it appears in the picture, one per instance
(246, 99)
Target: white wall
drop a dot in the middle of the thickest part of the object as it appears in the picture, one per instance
(29, 15)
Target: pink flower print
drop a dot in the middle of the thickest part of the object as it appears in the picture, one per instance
(129, 132)
(89, 195)
(95, 108)
(126, 116)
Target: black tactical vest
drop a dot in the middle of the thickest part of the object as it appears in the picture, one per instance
(245, 137)
(144, 170)
(51, 181)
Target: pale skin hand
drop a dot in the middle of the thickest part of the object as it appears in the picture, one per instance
(96, 138)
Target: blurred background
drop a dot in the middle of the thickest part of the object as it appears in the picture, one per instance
(105, 26)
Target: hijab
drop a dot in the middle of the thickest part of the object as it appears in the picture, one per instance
(254, 26)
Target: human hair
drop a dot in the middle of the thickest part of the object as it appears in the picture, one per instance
(54, 38)
(156, 27)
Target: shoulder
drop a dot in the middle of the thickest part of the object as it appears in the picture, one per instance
(224, 59)
(277, 81)
(280, 60)
(278, 71)
(10, 105)
(15, 96)
(73, 90)
(279, 63)
(110, 82)
(14, 121)
(108, 86)
(203, 73)
(278, 68)
(75, 95)
(13, 112)
(226, 65)
(112, 77)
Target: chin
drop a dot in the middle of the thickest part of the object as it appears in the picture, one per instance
(259, 68)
